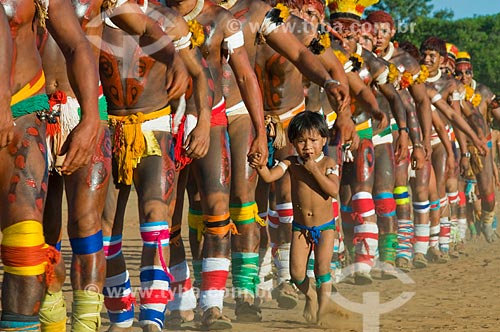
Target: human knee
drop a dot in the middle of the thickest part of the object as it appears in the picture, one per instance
(155, 210)
(298, 276)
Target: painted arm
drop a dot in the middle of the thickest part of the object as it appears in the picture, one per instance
(83, 75)
(462, 126)
(154, 42)
(423, 108)
(286, 44)
(440, 129)
(362, 93)
(198, 140)
(6, 120)
(336, 70)
(418, 154)
(252, 97)
(399, 112)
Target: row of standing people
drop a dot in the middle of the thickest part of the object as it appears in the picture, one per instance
(142, 73)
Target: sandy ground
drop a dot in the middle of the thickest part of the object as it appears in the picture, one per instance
(462, 295)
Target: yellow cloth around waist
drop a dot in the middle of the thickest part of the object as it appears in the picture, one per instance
(129, 140)
(30, 89)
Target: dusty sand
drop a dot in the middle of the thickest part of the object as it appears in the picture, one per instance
(462, 295)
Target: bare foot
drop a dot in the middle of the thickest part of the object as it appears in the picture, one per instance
(331, 314)
(213, 319)
(311, 307)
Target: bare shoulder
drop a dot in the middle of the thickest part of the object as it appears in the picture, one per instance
(410, 63)
(376, 64)
(339, 50)
(329, 161)
(170, 20)
(485, 91)
(452, 83)
(258, 7)
(225, 19)
(301, 29)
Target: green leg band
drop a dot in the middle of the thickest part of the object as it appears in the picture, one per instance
(297, 282)
(197, 272)
(325, 278)
(87, 307)
(473, 229)
(387, 245)
(53, 312)
(245, 270)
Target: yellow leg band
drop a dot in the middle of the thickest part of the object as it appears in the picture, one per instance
(24, 249)
(53, 313)
(28, 233)
(195, 223)
(87, 307)
(401, 195)
(246, 213)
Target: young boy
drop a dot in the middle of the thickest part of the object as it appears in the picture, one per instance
(314, 181)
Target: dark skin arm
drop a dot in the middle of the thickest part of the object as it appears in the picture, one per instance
(440, 129)
(364, 95)
(458, 122)
(6, 120)
(399, 113)
(336, 70)
(285, 43)
(418, 154)
(83, 75)
(198, 141)
(423, 107)
(251, 95)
